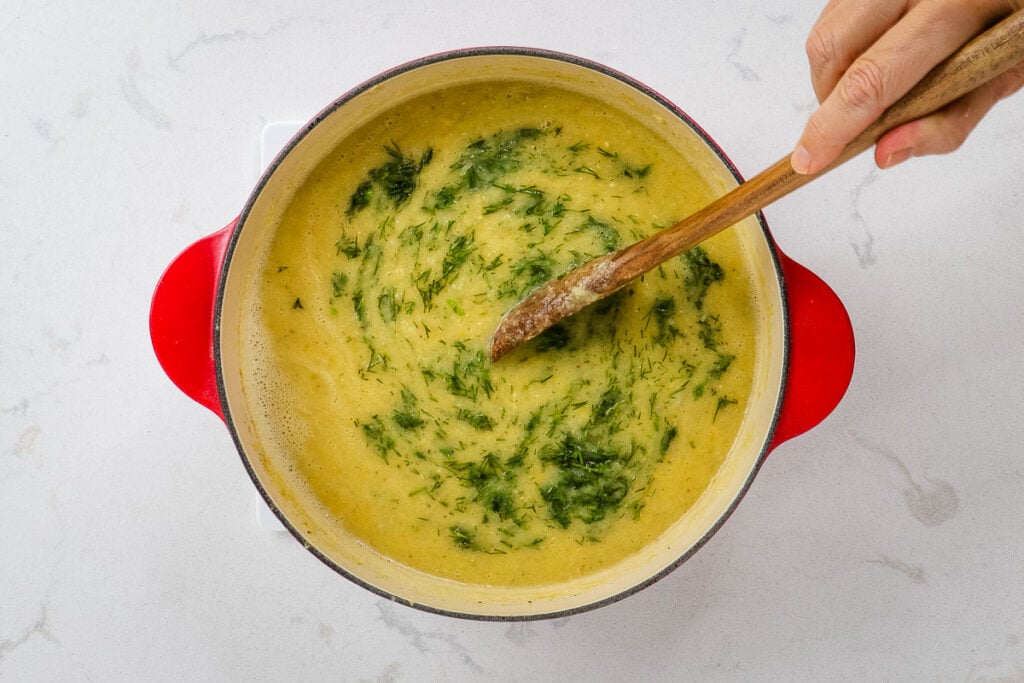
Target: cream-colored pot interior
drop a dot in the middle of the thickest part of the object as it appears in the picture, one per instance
(361, 563)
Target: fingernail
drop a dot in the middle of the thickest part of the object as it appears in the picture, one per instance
(898, 157)
(801, 160)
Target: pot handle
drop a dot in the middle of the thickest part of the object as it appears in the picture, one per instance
(181, 318)
(821, 352)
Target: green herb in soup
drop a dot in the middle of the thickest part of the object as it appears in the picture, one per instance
(407, 246)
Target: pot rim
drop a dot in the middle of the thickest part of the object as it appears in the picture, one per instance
(450, 55)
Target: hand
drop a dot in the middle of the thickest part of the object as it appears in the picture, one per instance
(866, 54)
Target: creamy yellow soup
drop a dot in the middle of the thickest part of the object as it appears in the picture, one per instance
(392, 266)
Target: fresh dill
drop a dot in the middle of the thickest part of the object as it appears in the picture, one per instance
(662, 312)
(702, 272)
(486, 160)
(590, 481)
(396, 179)
(527, 274)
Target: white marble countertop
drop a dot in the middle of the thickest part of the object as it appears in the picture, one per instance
(884, 545)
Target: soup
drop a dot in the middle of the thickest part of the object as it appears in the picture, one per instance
(366, 338)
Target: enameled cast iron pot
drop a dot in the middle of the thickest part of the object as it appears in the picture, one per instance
(805, 357)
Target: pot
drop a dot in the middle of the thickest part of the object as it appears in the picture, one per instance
(805, 360)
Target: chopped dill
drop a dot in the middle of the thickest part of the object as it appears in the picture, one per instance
(378, 436)
(463, 537)
(661, 312)
(387, 305)
(348, 246)
(607, 234)
(637, 171)
(494, 483)
(721, 365)
(667, 438)
(396, 179)
(527, 274)
(338, 283)
(590, 482)
(486, 160)
(475, 419)
(710, 331)
(458, 253)
(723, 401)
(406, 420)
(702, 273)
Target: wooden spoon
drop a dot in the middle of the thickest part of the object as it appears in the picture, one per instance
(985, 57)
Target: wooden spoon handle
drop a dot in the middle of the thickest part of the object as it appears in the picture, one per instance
(982, 59)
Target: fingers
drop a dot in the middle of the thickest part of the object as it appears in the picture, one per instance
(946, 130)
(845, 30)
(926, 34)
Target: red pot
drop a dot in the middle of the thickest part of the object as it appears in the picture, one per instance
(194, 310)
